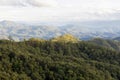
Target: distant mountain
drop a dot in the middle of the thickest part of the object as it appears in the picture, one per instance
(21, 31)
(83, 30)
(117, 38)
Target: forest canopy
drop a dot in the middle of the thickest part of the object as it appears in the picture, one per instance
(49, 60)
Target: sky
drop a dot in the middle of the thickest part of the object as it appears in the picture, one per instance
(59, 10)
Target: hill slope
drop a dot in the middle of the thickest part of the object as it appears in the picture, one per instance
(112, 44)
(36, 60)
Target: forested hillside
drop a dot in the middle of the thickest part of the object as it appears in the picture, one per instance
(112, 44)
(47, 60)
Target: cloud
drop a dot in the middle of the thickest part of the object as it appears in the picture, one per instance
(40, 3)
(33, 10)
(25, 3)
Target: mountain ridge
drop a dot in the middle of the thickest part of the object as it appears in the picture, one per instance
(82, 30)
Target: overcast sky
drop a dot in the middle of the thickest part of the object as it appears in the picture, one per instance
(59, 10)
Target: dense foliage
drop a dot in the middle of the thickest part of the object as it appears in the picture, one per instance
(113, 44)
(46, 60)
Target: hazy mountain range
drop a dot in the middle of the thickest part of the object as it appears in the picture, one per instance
(83, 30)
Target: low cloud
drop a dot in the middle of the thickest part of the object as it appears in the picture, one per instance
(25, 3)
